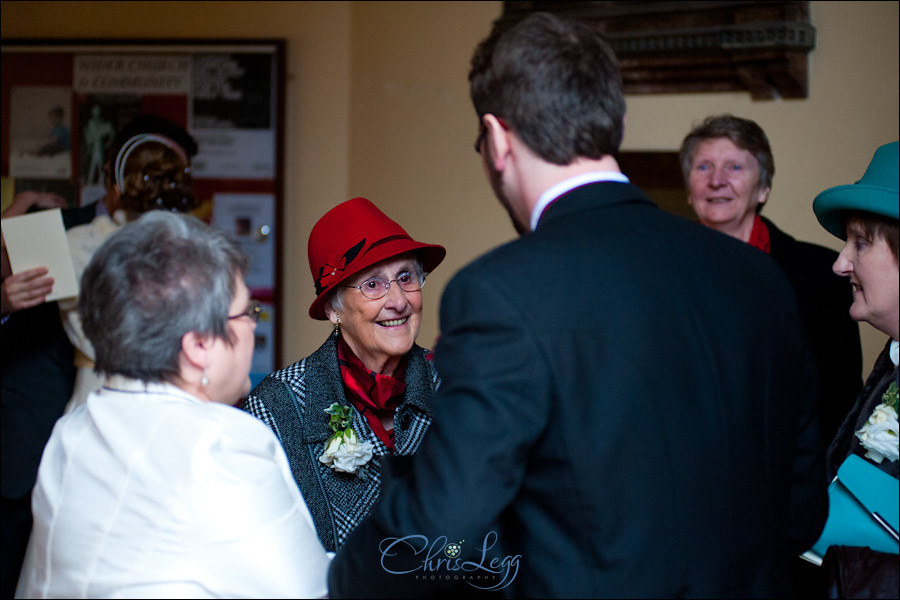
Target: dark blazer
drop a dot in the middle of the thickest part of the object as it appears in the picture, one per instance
(292, 402)
(824, 301)
(845, 442)
(37, 380)
(37, 375)
(627, 403)
(80, 215)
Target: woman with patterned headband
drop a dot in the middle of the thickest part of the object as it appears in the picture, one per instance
(147, 170)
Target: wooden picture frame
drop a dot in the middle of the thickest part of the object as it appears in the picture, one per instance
(694, 46)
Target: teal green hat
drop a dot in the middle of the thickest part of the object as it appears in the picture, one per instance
(876, 193)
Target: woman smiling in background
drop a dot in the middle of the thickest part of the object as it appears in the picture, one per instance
(728, 168)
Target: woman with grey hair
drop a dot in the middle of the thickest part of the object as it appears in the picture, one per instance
(158, 486)
(728, 168)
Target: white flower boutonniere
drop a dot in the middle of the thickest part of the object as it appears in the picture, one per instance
(343, 451)
(879, 436)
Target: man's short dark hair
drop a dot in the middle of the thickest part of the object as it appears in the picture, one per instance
(556, 83)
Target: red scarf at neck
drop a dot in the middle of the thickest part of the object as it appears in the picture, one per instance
(759, 237)
(374, 395)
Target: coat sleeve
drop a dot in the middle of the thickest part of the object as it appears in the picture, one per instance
(809, 499)
(475, 449)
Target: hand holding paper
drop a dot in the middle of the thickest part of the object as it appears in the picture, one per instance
(37, 241)
(24, 290)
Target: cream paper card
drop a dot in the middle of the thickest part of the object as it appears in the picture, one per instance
(39, 240)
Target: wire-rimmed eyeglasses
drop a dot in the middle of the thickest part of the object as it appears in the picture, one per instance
(374, 288)
(254, 310)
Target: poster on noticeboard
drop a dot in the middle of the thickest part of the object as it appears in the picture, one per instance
(63, 103)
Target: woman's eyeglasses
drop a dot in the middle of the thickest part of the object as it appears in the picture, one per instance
(377, 287)
(254, 309)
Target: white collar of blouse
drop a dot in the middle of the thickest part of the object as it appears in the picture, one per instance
(120, 383)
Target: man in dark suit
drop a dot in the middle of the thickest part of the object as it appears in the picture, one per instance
(627, 405)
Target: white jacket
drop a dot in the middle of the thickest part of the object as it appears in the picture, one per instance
(148, 492)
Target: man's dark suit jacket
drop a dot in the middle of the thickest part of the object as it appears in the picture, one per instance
(37, 378)
(627, 402)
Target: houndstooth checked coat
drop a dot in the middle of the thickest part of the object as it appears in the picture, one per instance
(292, 402)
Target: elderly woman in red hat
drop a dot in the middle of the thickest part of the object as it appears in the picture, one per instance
(366, 392)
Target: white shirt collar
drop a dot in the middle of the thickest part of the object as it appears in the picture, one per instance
(895, 352)
(570, 184)
(120, 383)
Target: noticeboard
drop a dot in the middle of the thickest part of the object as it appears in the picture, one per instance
(229, 95)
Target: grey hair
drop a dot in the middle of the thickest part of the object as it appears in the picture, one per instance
(336, 301)
(149, 284)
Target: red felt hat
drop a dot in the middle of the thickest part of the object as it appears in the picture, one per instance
(353, 236)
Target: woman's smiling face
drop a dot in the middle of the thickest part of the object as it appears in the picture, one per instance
(724, 188)
(380, 332)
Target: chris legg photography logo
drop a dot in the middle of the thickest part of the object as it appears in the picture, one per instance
(441, 560)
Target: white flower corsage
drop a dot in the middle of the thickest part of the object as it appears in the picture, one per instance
(343, 451)
(879, 436)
